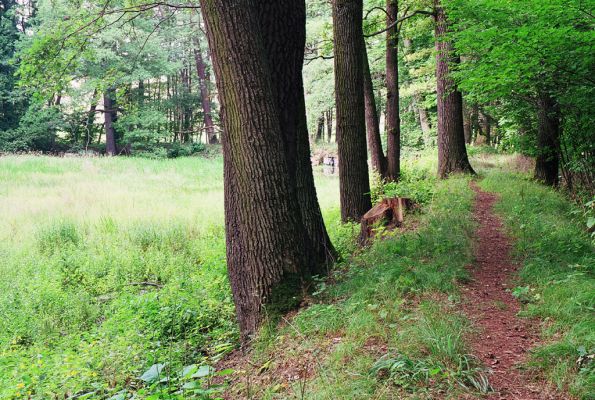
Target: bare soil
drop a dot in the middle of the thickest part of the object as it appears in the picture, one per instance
(503, 339)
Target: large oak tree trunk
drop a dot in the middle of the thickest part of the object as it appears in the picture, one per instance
(379, 162)
(548, 141)
(266, 240)
(354, 182)
(283, 25)
(393, 120)
(452, 153)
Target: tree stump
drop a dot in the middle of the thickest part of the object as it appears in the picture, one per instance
(388, 213)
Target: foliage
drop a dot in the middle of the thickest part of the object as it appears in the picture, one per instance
(416, 182)
(130, 274)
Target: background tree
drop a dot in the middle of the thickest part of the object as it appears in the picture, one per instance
(349, 98)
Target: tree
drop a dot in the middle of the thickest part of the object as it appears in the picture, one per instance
(273, 222)
(379, 161)
(13, 103)
(452, 153)
(205, 93)
(534, 61)
(349, 98)
(393, 120)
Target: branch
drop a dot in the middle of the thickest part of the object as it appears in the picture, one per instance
(375, 8)
(399, 21)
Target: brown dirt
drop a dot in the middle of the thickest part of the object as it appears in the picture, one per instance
(503, 339)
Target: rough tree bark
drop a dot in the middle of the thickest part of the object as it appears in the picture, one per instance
(547, 162)
(354, 182)
(266, 246)
(393, 120)
(283, 24)
(379, 162)
(108, 115)
(452, 153)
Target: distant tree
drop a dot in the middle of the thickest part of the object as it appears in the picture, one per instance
(393, 120)
(379, 161)
(452, 153)
(349, 98)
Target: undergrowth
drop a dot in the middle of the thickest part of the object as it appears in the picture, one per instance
(387, 326)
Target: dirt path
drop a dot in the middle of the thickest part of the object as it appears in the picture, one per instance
(503, 339)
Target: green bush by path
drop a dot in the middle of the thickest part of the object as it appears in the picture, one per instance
(557, 280)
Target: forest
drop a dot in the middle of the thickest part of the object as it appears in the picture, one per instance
(297, 199)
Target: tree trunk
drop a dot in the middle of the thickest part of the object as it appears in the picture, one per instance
(329, 124)
(379, 162)
(205, 94)
(452, 153)
(354, 182)
(548, 141)
(486, 127)
(319, 129)
(283, 24)
(467, 123)
(108, 115)
(424, 119)
(266, 246)
(90, 119)
(393, 120)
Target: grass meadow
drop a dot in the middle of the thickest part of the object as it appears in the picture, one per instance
(113, 286)
(108, 266)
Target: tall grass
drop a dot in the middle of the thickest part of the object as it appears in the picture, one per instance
(108, 266)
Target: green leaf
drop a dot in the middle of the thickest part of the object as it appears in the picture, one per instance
(152, 374)
(204, 370)
(188, 370)
(591, 222)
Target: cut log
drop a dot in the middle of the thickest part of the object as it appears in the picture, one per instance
(388, 213)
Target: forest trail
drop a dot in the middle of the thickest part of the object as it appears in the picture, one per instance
(503, 339)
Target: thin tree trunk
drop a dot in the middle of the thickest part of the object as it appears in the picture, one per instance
(90, 119)
(548, 141)
(393, 120)
(354, 182)
(379, 162)
(205, 94)
(452, 153)
(486, 127)
(424, 119)
(319, 129)
(108, 114)
(467, 123)
(329, 124)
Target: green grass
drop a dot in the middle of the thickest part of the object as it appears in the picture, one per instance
(109, 266)
(388, 327)
(557, 279)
